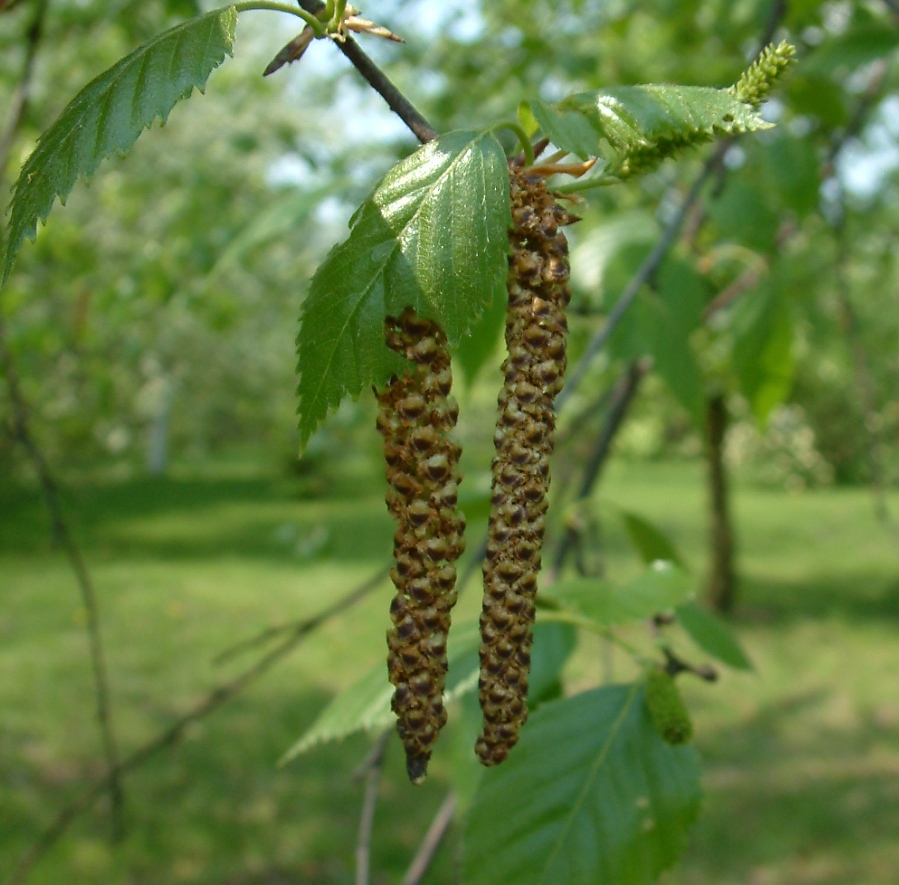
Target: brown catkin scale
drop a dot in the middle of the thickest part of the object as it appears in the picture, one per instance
(415, 415)
(535, 338)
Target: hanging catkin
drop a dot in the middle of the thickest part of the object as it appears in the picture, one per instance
(416, 412)
(535, 337)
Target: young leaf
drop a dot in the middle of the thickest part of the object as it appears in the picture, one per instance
(592, 795)
(661, 587)
(110, 113)
(712, 635)
(433, 237)
(646, 124)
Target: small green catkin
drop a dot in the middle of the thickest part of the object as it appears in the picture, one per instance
(536, 329)
(760, 78)
(416, 413)
(667, 709)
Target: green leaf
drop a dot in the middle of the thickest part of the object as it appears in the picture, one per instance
(553, 644)
(712, 635)
(476, 349)
(110, 113)
(570, 131)
(365, 706)
(763, 350)
(275, 220)
(598, 245)
(434, 237)
(660, 588)
(818, 96)
(792, 167)
(746, 214)
(651, 327)
(646, 124)
(651, 542)
(591, 795)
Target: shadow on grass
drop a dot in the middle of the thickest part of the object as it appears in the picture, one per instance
(815, 804)
(852, 595)
(199, 518)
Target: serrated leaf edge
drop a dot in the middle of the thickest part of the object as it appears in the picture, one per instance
(227, 16)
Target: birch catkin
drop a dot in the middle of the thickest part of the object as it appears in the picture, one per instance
(416, 412)
(535, 337)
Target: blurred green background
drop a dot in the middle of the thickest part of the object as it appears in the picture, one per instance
(153, 323)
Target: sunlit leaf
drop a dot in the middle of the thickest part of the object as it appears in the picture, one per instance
(644, 124)
(433, 236)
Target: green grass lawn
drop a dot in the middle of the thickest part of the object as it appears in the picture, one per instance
(801, 757)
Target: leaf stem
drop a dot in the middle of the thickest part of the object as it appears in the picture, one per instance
(522, 136)
(315, 23)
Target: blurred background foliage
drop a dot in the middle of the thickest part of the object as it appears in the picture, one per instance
(153, 326)
(157, 313)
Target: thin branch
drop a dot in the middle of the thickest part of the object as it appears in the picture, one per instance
(218, 697)
(431, 842)
(644, 274)
(622, 398)
(379, 81)
(775, 16)
(373, 764)
(22, 95)
(269, 634)
(20, 432)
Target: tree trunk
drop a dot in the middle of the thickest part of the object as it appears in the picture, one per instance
(721, 590)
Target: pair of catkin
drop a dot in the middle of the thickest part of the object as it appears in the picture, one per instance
(415, 416)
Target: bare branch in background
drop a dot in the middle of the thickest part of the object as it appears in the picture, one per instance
(431, 842)
(20, 432)
(218, 697)
(622, 398)
(305, 625)
(371, 771)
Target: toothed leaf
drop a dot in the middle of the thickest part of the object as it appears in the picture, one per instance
(110, 113)
(433, 237)
(645, 124)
